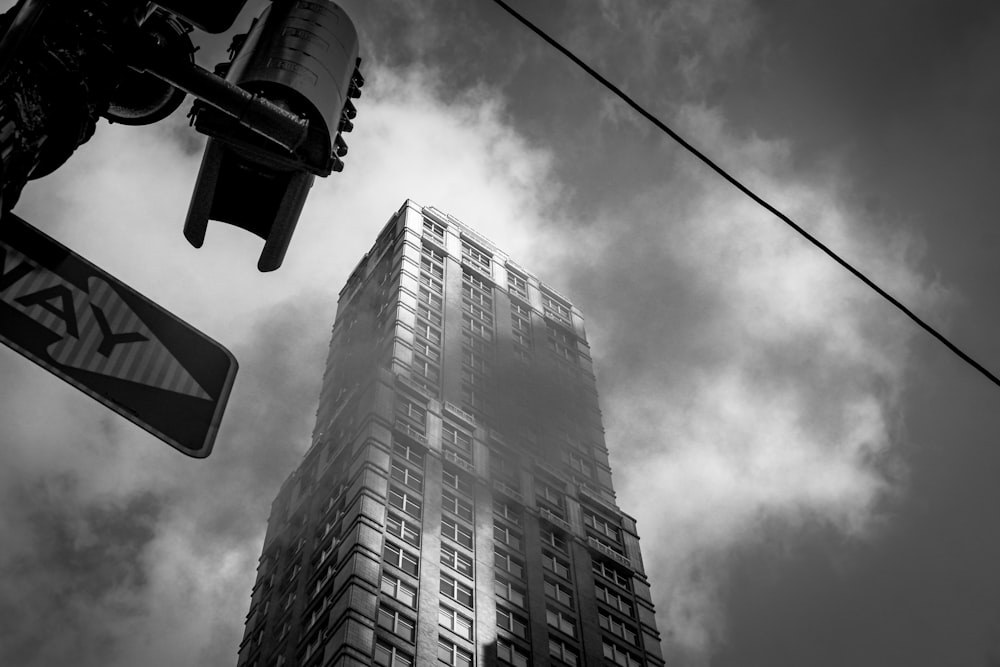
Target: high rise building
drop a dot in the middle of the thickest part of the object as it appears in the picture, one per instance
(456, 504)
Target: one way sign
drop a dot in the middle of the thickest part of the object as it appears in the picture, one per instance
(75, 320)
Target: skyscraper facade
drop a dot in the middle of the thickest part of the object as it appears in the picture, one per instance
(456, 505)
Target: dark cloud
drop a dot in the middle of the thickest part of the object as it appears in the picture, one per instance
(81, 558)
(85, 560)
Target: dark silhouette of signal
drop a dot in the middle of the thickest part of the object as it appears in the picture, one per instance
(303, 58)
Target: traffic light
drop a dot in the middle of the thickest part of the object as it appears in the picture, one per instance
(302, 57)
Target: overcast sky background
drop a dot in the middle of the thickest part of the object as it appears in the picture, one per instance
(816, 481)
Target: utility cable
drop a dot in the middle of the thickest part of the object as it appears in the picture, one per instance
(748, 192)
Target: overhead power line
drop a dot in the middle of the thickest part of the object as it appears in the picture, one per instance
(748, 192)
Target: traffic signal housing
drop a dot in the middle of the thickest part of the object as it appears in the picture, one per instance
(211, 16)
(302, 57)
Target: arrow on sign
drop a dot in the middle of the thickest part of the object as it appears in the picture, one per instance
(97, 330)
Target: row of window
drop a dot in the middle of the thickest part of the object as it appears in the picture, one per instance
(456, 502)
(455, 655)
(477, 258)
(457, 441)
(412, 412)
(405, 480)
(429, 321)
(520, 321)
(561, 343)
(548, 497)
(461, 625)
(477, 337)
(449, 653)
(482, 260)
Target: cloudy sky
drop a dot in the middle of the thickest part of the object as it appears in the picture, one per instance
(816, 481)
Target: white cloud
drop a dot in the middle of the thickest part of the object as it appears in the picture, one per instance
(768, 399)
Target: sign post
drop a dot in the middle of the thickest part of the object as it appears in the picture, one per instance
(109, 341)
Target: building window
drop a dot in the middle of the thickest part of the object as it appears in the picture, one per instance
(609, 572)
(559, 592)
(580, 464)
(477, 344)
(411, 454)
(429, 266)
(556, 308)
(473, 379)
(431, 315)
(431, 283)
(507, 536)
(405, 502)
(312, 648)
(412, 479)
(477, 282)
(475, 360)
(412, 411)
(523, 328)
(477, 296)
(456, 531)
(476, 327)
(458, 439)
(473, 398)
(510, 653)
(507, 511)
(456, 505)
(458, 623)
(563, 652)
(397, 624)
(428, 331)
(522, 349)
(550, 494)
(456, 560)
(399, 557)
(325, 576)
(613, 600)
(450, 653)
(560, 621)
(387, 655)
(426, 349)
(507, 563)
(561, 342)
(519, 309)
(517, 284)
(318, 612)
(398, 589)
(618, 628)
(620, 656)
(456, 590)
(399, 527)
(510, 592)
(433, 254)
(477, 258)
(602, 526)
(512, 623)
(481, 313)
(456, 480)
(553, 539)
(474, 392)
(431, 299)
(555, 565)
(434, 230)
